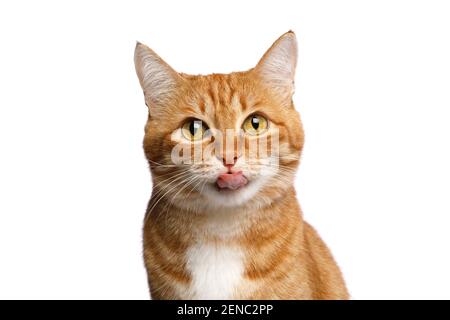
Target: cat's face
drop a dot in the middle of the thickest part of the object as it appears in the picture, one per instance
(222, 140)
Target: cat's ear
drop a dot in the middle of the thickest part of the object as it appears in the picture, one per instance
(158, 80)
(277, 67)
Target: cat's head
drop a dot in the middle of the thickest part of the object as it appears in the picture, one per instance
(222, 140)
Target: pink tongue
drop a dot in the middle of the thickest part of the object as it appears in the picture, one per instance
(231, 181)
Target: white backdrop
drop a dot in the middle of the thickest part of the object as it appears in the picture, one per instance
(372, 87)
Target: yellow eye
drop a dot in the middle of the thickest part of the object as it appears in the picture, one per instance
(194, 130)
(255, 124)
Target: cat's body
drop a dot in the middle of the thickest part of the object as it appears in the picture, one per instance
(231, 230)
(269, 254)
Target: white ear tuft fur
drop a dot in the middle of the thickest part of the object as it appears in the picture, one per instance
(158, 80)
(277, 66)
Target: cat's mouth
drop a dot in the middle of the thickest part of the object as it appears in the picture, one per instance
(231, 181)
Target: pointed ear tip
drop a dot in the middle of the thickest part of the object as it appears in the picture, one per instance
(290, 38)
(139, 45)
(141, 49)
(290, 34)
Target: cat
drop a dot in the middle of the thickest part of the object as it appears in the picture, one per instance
(229, 226)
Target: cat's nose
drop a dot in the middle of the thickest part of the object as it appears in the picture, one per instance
(229, 161)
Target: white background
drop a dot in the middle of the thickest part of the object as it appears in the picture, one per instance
(372, 87)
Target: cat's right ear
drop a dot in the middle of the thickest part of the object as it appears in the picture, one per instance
(158, 80)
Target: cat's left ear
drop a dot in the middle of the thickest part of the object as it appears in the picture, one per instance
(277, 67)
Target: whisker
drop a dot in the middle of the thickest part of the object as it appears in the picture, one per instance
(173, 198)
(173, 178)
(155, 195)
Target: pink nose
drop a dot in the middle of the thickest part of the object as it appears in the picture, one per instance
(229, 163)
(231, 181)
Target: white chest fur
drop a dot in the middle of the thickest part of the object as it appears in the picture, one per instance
(216, 271)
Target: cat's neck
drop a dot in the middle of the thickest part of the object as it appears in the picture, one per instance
(228, 223)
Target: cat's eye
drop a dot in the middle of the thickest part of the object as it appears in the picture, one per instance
(255, 124)
(194, 130)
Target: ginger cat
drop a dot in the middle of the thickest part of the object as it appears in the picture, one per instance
(228, 225)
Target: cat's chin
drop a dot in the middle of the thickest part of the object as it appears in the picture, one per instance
(227, 198)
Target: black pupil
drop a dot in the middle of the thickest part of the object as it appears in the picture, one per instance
(255, 123)
(194, 126)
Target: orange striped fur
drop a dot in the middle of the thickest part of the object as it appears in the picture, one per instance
(250, 243)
